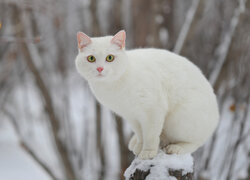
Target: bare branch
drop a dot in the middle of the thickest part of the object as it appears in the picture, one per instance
(13, 39)
(186, 26)
(26, 147)
(223, 48)
(48, 105)
(39, 161)
(54, 121)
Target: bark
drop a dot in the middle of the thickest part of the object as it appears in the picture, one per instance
(142, 21)
(125, 154)
(116, 16)
(140, 175)
(95, 23)
(99, 144)
(169, 22)
(150, 18)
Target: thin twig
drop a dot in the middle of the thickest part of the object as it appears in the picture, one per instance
(13, 39)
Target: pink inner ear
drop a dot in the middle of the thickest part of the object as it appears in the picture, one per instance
(83, 40)
(119, 39)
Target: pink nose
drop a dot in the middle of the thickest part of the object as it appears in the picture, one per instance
(99, 69)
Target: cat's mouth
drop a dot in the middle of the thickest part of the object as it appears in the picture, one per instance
(100, 75)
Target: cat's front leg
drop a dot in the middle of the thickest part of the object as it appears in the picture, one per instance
(135, 143)
(132, 142)
(151, 130)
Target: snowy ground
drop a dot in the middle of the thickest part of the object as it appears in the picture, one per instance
(16, 164)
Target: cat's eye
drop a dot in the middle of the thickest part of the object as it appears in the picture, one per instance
(110, 58)
(91, 58)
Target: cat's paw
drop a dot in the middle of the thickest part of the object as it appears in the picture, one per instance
(174, 149)
(132, 143)
(147, 154)
(181, 148)
(137, 148)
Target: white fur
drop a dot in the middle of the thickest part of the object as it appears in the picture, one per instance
(163, 96)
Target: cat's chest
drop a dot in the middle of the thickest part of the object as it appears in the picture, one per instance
(117, 99)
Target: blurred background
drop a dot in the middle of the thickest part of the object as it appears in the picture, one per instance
(51, 127)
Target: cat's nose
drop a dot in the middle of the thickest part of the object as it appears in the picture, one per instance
(99, 69)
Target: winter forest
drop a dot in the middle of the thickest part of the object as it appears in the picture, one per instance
(51, 126)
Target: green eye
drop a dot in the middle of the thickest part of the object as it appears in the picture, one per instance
(110, 58)
(91, 58)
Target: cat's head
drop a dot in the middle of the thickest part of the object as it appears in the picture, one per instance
(101, 58)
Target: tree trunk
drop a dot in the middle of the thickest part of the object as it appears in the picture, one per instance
(163, 166)
(125, 154)
(48, 102)
(140, 175)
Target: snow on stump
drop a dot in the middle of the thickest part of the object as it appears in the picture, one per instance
(162, 167)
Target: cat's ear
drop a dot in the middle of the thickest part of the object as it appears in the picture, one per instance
(83, 40)
(119, 39)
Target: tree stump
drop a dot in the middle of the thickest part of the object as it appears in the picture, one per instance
(141, 175)
(162, 167)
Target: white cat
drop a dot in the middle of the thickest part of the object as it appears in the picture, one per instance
(164, 97)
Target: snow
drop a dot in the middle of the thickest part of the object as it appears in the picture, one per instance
(14, 162)
(160, 165)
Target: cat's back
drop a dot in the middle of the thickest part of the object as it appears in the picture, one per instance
(175, 72)
(160, 59)
(154, 56)
(148, 54)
